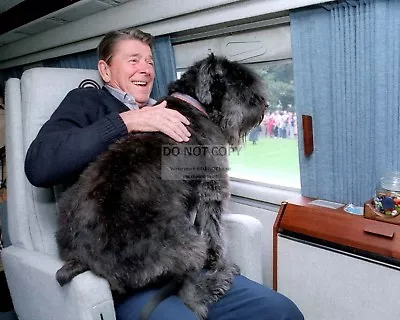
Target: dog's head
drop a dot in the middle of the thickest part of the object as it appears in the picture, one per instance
(232, 94)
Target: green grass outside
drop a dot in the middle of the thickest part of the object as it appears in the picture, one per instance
(273, 161)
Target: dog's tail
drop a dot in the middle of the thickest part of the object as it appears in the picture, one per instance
(69, 270)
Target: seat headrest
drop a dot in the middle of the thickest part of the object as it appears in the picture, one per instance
(43, 89)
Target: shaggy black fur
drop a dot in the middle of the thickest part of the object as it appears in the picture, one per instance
(126, 223)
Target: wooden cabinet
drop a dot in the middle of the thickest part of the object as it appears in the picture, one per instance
(336, 265)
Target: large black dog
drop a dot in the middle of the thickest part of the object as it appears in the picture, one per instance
(136, 218)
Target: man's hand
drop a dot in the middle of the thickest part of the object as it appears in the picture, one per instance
(157, 118)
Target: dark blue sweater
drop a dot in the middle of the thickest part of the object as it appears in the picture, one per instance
(83, 126)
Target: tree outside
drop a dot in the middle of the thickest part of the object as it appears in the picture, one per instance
(278, 78)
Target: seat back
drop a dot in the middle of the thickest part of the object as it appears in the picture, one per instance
(32, 212)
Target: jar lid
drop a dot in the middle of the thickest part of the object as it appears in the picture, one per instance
(391, 181)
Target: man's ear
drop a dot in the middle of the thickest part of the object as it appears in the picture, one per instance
(104, 70)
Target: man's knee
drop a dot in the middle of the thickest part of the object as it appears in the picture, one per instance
(286, 308)
(171, 308)
(275, 306)
(252, 301)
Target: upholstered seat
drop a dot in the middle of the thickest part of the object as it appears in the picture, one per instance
(31, 260)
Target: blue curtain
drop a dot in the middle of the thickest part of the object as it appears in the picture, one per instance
(165, 66)
(346, 59)
(81, 60)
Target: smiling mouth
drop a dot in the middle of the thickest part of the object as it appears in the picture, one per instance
(140, 83)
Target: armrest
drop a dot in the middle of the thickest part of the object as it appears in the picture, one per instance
(37, 295)
(244, 244)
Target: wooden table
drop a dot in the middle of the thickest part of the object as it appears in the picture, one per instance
(337, 228)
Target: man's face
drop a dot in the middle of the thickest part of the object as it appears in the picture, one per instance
(131, 69)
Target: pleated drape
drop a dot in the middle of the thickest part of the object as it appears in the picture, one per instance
(165, 66)
(346, 59)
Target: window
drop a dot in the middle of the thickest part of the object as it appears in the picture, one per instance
(270, 153)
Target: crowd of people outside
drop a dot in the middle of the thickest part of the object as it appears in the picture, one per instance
(275, 124)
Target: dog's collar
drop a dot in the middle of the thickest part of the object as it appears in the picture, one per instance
(193, 102)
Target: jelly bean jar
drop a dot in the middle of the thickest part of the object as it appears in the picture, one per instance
(387, 195)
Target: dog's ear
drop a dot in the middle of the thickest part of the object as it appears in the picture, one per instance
(211, 81)
(203, 84)
(232, 118)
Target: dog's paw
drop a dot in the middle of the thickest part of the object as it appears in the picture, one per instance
(69, 270)
(63, 277)
(201, 310)
(220, 287)
(235, 269)
(220, 281)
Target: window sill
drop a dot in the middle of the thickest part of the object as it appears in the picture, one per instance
(263, 192)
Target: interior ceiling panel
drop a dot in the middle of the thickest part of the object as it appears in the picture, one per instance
(11, 37)
(7, 4)
(83, 10)
(21, 18)
(28, 11)
(41, 26)
(114, 2)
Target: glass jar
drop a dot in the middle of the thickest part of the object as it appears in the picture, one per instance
(387, 195)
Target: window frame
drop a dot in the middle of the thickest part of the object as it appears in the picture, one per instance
(265, 192)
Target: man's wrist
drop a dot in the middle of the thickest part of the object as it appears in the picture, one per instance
(111, 127)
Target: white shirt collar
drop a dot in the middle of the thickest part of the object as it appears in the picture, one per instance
(126, 98)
